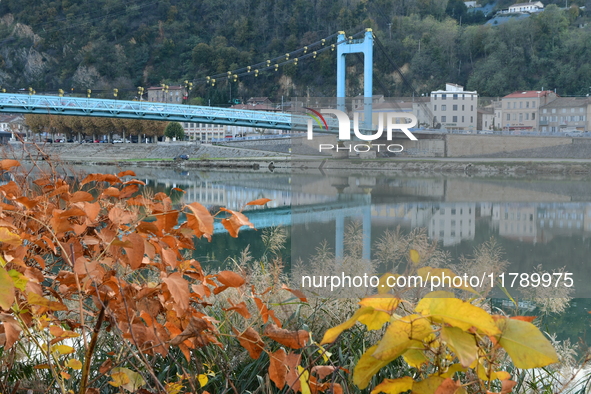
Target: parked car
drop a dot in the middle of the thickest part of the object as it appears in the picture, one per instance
(181, 157)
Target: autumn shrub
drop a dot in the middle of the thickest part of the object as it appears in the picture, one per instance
(97, 294)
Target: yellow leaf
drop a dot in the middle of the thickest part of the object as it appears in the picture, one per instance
(203, 379)
(414, 256)
(374, 320)
(461, 343)
(332, 333)
(427, 386)
(452, 370)
(304, 377)
(8, 237)
(119, 379)
(401, 335)
(65, 375)
(62, 349)
(18, 279)
(381, 302)
(394, 386)
(325, 354)
(415, 356)
(173, 388)
(503, 375)
(6, 290)
(126, 378)
(526, 345)
(457, 313)
(482, 372)
(74, 364)
(368, 366)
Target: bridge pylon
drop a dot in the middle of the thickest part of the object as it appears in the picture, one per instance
(365, 46)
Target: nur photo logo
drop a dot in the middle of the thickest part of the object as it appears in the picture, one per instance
(388, 121)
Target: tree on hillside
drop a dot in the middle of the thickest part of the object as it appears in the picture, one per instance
(174, 130)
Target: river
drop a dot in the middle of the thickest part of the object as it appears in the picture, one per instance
(478, 226)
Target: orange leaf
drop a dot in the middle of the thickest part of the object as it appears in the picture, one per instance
(292, 339)
(12, 331)
(135, 253)
(179, 289)
(7, 164)
(200, 221)
(235, 221)
(448, 386)
(323, 370)
(263, 310)
(260, 201)
(528, 319)
(296, 293)
(277, 368)
(128, 191)
(81, 196)
(111, 192)
(239, 308)
(251, 341)
(101, 178)
(230, 279)
(126, 173)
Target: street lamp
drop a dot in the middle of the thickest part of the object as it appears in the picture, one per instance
(88, 92)
(188, 87)
(115, 92)
(140, 92)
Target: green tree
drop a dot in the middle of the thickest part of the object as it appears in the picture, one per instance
(174, 130)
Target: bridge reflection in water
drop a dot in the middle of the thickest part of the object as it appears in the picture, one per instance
(458, 212)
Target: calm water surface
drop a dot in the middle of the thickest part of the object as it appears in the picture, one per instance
(540, 223)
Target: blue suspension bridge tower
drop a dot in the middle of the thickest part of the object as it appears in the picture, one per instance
(348, 46)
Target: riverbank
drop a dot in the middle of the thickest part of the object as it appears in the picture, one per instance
(246, 159)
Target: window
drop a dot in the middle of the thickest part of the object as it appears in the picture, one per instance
(520, 105)
(514, 104)
(533, 104)
(572, 110)
(508, 116)
(544, 110)
(444, 107)
(454, 118)
(462, 107)
(533, 116)
(455, 107)
(471, 119)
(444, 96)
(435, 107)
(444, 118)
(544, 129)
(564, 110)
(455, 96)
(553, 110)
(462, 119)
(521, 117)
(508, 105)
(581, 109)
(471, 108)
(526, 116)
(527, 104)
